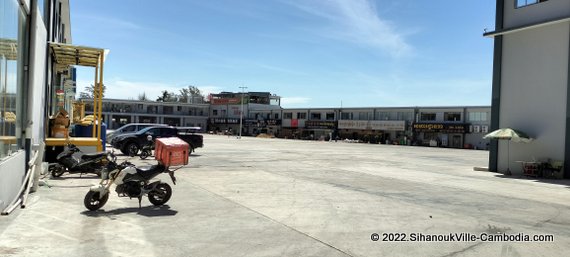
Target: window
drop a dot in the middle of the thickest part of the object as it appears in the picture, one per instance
(452, 116)
(277, 116)
(404, 115)
(301, 115)
(214, 112)
(477, 116)
(12, 30)
(287, 115)
(346, 116)
(315, 116)
(330, 116)
(364, 115)
(523, 3)
(427, 116)
(151, 109)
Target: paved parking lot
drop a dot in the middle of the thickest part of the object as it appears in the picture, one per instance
(274, 197)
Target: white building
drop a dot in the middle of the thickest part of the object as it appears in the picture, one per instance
(456, 127)
(261, 112)
(118, 112)
(531, 81)
(27, 80)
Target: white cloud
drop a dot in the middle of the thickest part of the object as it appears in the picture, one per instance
(206, 90)
(110, 22)
(357, 21)
(295, 101)
(122, 89)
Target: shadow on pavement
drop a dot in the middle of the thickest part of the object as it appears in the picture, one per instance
(563, 182)
(195, 155)
(75, 176)
(148, 211)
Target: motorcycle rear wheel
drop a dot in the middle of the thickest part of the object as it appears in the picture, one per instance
(160, 195)
(56, 171)
(145, 154)
(92, 201)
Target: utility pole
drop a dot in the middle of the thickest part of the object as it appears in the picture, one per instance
(241, 113)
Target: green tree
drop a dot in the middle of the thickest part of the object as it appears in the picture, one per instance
(167, 97)
(89, 91)
(191, 94)
(143, 97)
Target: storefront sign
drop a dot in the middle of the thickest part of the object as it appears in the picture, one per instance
(225, 120)
(318, 124)
(262, 123)
(392, 125)
(397, 125)
(222, 101)
(294, 123)
(272, 122)
(441, 128)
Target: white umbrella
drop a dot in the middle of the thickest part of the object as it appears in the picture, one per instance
(511, 135)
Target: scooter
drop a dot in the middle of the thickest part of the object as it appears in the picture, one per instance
(72, 160)
(130, 182)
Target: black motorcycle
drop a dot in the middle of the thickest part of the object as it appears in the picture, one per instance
(130, 182)
(72, 160)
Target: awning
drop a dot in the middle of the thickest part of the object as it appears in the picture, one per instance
(525, 27)
(65, 55)
(76, 55)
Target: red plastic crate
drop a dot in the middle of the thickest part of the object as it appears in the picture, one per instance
(171, 151)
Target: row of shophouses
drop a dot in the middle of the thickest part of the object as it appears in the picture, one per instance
(456, 127)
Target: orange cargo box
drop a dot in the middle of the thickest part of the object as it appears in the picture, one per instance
(171, 151)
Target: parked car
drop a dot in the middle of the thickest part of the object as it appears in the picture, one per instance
(131, 143)
(130, 128)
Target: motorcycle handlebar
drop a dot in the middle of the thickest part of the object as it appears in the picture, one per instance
(111, 156)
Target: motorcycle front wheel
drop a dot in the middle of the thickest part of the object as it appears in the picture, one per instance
(160, 195)
(93, 202)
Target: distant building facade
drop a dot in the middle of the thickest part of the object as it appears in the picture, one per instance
(261, 112)
(117, 113)
(457, 127)
(454, 127)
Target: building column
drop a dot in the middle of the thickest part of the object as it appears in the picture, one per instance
(566, 174)
(110, 123)
(496, 87)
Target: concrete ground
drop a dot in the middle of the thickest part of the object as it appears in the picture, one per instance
(274, 197)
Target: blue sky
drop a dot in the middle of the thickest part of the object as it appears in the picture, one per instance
(312, 53)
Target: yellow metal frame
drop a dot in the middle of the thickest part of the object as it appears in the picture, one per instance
(65, 55)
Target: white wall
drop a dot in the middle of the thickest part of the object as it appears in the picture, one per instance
(36, 97)
(533, 92)
(12, 174)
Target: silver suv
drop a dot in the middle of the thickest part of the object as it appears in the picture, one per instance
(129, 128)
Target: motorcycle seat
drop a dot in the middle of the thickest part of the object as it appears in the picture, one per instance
(91, 156)
(150, 171)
